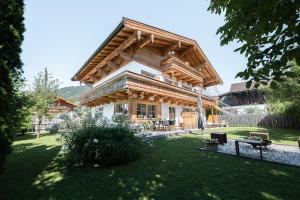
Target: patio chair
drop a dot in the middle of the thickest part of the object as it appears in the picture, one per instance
(166, 124)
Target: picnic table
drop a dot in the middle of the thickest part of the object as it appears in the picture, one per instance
(259, 143)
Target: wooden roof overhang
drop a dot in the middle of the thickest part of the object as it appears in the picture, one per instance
(60, 100)
(181, 71)
(129, 85)
(129, 32)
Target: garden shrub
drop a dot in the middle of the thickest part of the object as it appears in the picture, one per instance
(106, 146)
(122, 120)
(91, 141)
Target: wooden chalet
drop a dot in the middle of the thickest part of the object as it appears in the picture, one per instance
(147, 72)
(61, 105)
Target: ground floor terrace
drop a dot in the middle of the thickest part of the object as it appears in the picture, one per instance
(147, 99)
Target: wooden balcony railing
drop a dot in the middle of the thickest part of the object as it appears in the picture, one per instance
(103, 90)
(127, 84)
(174, 63)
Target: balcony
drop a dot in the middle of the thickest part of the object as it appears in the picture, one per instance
(171, 82)
(174, 67)
(129, 85)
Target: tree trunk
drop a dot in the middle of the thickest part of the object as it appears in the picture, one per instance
(40, 119)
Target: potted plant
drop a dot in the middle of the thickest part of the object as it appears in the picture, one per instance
(158, 118)
(211, 144)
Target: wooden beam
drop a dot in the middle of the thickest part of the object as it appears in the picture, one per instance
(142, 96)
(200, 66)
(93, 78)
(112, 65)
(129, 93)
(113, 96)
(100, 72)
(186, 51)
(172, 47)
(120, 94)
(207, 82)
(179, 44)
(147, 41)
(125, 56)
(139, 35)
(130, 40)
(109, 99)
(87, 82)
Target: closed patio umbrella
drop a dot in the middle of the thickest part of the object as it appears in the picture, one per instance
(200, 114)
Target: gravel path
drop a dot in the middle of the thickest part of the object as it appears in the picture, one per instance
(277, 153)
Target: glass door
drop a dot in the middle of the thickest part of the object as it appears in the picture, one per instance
(171, 113)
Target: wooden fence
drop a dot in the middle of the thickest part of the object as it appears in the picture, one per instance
(260, 120)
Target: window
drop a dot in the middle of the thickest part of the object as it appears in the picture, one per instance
(145, 110)
(121, 108)
(151, 111)
(141, 110)
(98, 111)
(171, 113)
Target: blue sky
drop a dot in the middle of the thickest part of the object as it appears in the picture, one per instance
(61, 35)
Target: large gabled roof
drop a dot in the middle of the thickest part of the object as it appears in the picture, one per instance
(122, 36)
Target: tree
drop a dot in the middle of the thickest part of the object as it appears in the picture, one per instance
(269, 31)
(26, 114)
(286, 98)
(44, 92)
(11, 37)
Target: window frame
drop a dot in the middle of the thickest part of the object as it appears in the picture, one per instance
(124, 107)
(143, 109)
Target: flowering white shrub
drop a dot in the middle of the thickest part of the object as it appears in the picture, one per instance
(92, 139)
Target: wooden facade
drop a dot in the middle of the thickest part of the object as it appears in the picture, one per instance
(127, 42)
(184, 69)
(61, 105)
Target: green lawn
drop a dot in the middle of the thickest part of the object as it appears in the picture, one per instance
(171, 168)
(278, 136)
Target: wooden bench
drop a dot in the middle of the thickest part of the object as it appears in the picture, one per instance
(262, 135)
(252, 142)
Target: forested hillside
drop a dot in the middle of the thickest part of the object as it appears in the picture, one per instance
(72, 93)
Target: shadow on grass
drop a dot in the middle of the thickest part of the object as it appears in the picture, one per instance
(22, 166)
(172, 168)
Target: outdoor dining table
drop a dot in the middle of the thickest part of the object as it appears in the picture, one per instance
(252, 142)
(163, 123)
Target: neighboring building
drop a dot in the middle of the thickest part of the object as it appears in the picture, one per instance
(61, 105)
(241, 99)
(147, 72)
